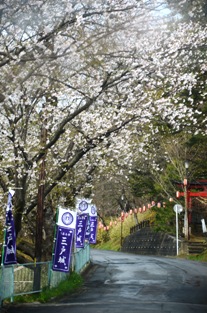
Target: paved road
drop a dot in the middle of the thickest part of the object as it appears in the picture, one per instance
(126, 283)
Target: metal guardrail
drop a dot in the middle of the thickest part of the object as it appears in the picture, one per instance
(19, 279)
(81, 258)
(145, 223)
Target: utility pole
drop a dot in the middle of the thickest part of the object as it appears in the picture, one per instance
(40, 203)
(40, 208)
(185, 183)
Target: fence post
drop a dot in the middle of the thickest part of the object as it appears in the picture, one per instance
(1, 284)
(7, 283)
(49, 272)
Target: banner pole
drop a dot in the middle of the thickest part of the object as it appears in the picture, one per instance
(55, 231)
(3, 246)
(53, 248)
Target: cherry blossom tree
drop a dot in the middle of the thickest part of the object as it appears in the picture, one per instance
(178, 101)
(64, 69)
(85, 86)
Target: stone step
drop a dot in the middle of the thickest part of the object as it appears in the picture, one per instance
(196, 247)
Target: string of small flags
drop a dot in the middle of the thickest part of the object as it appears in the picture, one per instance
(124, 215)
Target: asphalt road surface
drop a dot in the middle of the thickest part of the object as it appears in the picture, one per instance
(126, 283)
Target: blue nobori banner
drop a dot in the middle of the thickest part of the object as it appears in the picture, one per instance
(85, 206)
(63, 247)
(92, 224)
(93, 229)
(9, 248)
(81, 224)
(87, 236)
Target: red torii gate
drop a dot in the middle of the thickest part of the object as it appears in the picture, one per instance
(200, 185)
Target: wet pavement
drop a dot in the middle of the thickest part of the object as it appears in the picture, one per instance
(122, 282)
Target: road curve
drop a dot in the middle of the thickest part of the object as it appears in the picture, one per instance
(126, 283)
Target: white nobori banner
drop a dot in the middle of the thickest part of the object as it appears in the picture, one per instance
(85, 206)
(66, 218)
(93, 210)
(203, 226)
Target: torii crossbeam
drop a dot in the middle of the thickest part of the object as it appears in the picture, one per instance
(200, 186)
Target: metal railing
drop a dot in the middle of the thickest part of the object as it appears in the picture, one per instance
(19, 279)
(81, 258)
(143, 224)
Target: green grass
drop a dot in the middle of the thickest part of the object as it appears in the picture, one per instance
(67, 286)
(200, 257)
(195, 257)
(109, 245)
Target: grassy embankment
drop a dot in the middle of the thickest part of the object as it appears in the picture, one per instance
(111, 239)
